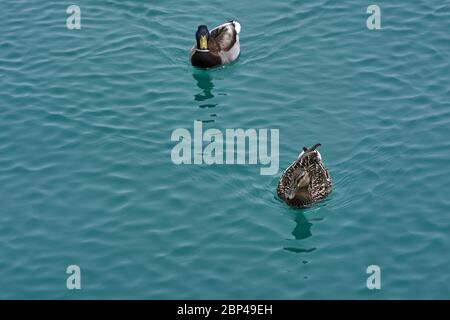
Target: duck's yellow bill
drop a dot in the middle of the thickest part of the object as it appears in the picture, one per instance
(203, 43)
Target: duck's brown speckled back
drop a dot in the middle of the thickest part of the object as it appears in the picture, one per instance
(320, 184)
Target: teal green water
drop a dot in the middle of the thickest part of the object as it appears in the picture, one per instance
(86, 176)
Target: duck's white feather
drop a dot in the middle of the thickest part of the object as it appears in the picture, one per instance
(237, 27)
(318, 154)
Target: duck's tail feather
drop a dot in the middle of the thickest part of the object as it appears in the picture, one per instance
(314, 147)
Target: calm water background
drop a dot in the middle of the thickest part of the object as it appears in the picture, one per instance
(86, 176)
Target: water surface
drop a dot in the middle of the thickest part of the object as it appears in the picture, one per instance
(86, 176)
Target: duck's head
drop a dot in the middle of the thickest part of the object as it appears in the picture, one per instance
(300, 180)
(202, 36)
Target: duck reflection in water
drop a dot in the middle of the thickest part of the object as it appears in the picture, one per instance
(205, 83)
(301, 231)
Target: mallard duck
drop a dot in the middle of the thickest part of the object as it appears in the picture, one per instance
(306, 180)
(218, 47)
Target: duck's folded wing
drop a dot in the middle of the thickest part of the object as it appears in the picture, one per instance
(225, 36)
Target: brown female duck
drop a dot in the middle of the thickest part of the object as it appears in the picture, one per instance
(306, 180)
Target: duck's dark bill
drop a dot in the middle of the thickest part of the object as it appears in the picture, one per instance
(290, 194)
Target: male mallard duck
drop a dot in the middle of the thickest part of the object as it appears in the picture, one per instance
(218, 47)
(305, 181)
